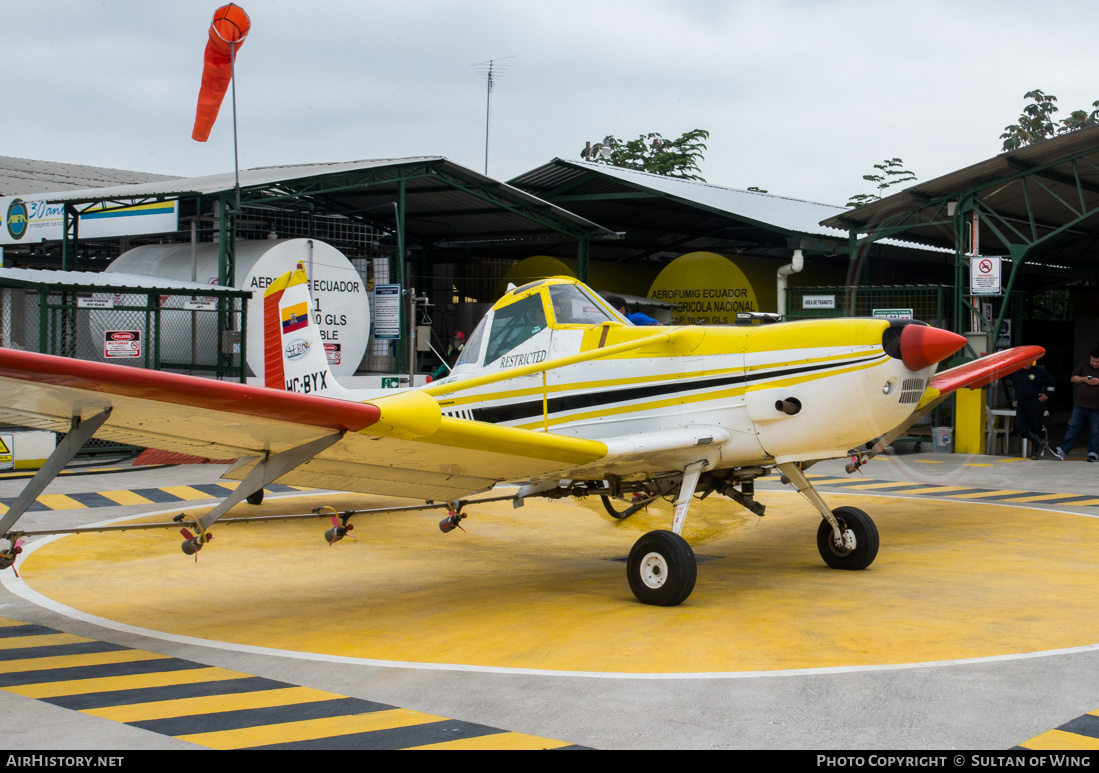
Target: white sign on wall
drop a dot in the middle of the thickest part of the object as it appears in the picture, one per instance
(818, 301)
(121, 343)
(29, 222)
(892, 313)
(984, 276)
(387, 311)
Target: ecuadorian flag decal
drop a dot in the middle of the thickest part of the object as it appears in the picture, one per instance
(295, 317)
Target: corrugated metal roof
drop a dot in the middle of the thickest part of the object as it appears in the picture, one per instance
(112, 280)
(1064, 184)
(794, 215)
(471, 206)
(663, 217)
(25, 176)
(222, 183)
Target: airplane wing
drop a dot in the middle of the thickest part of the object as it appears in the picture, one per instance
(979, 373)
(974, 374)
(398, 445)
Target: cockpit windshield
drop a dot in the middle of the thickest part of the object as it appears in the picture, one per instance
(513, 324)
(573, 306)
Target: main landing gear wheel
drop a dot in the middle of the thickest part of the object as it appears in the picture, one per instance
(661, 569)
(853, 523)
(255, 498)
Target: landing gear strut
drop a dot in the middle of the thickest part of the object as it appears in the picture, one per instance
(847, 537)
(661, 568)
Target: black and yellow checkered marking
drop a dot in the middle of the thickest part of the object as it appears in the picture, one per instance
(139, 496)
(203, 491)
(872, 486)
(1081, 734)
(218, 708)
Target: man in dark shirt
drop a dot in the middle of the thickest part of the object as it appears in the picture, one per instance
(1032, 386)
(1085, 410)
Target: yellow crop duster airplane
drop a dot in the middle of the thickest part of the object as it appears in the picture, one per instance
(554, 392)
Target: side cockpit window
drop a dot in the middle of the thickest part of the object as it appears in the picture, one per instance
(473, 346)
(572, 306)
(514, 324)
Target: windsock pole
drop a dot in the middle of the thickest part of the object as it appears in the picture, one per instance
(233, 82)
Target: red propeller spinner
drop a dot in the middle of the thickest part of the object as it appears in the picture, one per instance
(922, 346)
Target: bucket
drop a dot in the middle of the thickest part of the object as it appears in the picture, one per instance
(942, 440)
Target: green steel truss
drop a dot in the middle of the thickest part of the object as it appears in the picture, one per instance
(1018, 234)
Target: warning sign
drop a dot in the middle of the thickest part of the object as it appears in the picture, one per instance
(984, 276)
(7, 452)
(121, 343)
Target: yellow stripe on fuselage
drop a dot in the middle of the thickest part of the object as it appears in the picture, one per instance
(838, 357)
(691, 399)
(801, 379)
(652, 405)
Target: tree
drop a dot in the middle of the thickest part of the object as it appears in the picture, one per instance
(1036, 121)
(652, 153)
(891, 172)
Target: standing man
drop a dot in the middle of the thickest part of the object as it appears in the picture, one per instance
(1085, 408)
(1032, 386)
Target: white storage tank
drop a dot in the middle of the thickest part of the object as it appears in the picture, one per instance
(341, 308)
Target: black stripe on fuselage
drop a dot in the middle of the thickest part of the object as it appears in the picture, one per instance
(500, 414)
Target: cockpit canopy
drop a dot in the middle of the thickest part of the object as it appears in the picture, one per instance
(526, 312)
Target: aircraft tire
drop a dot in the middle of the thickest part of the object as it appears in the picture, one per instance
(255, 498)
(661, 569)
(866, 540)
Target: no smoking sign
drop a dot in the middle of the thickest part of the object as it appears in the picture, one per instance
(984, 276)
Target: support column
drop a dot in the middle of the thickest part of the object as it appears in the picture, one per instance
(969, 421)
(69, 233)
(402, 343)
(583, 254)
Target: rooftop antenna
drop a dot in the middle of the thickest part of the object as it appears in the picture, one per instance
(492, 71)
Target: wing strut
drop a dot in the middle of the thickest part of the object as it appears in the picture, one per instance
(81, 432)
(267, 470)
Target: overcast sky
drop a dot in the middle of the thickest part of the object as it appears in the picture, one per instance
(800, 98)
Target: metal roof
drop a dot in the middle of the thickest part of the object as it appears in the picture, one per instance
(25, 176)
(664, 217)
(111, 281)
(445, 202)
(1041, 200)
(793, 215)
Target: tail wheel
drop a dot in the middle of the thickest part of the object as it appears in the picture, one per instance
(661, 569)
(853, 523)
(255, 498)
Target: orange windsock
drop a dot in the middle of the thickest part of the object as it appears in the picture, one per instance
(227, 31)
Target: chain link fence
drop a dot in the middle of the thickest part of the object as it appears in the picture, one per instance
(927, 303)
(160, 329)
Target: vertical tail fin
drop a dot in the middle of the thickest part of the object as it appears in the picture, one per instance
(294, 359)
